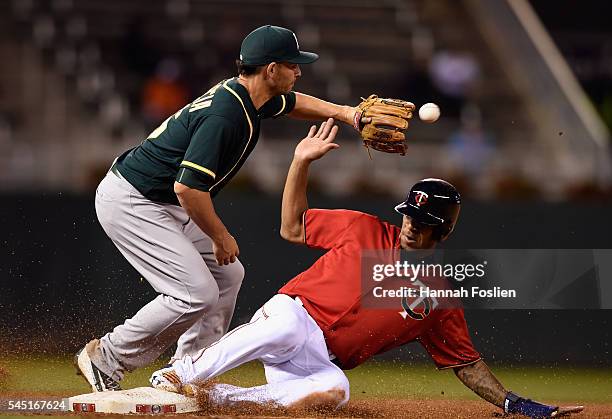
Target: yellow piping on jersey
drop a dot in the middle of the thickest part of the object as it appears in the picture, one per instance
(243, 108)
(282, 107)
(229, 89)
(198, 167)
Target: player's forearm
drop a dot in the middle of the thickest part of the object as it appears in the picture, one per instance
(479, 378)
(312, 108)
(199, 207)
(295, 201)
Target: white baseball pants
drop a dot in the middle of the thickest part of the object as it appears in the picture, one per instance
(289, 343)
(196, 296)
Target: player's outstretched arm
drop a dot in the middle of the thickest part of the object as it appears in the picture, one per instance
(479, 378)
(199, 207)
(316, 144)
(312, 109)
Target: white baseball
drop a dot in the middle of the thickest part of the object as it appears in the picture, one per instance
(429, 112)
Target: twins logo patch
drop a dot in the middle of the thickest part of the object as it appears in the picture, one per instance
(419, 307)
(418, 312)
(420, 198)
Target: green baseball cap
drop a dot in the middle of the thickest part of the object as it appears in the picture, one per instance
(273, 44)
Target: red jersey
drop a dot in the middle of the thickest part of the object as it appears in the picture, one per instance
(330, 291)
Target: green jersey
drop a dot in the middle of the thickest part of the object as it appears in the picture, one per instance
(203, 145)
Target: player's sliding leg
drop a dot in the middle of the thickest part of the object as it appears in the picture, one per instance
(308, 379)
(277, 331)
(215, 322)
(293, 350)
(326, 389)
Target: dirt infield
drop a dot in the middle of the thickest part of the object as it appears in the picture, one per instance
(365, 408)
(389, 408)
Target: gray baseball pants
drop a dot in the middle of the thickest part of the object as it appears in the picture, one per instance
(196, 296)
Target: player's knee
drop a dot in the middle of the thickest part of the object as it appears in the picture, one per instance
(333, 398)
(345, 389)
(204, 297)
(336, 389)
(337, 381)
(328, 393)
(235, 274)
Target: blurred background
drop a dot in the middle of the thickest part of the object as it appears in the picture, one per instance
(525, 90)
(525, 94)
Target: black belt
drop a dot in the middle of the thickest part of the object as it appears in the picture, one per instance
(337, 363)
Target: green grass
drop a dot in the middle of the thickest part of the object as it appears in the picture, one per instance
(398, 380)
(372, 380)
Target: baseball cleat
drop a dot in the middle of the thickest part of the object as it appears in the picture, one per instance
(168, 380)
(98, 380)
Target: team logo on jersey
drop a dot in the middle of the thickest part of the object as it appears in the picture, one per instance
(417, 308)
(417, 312)
(420, 198)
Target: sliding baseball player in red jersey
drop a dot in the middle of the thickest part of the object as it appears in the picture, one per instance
(317, 325)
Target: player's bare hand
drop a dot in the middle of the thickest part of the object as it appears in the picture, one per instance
(226, 250)
(318, 142)
(567, 410)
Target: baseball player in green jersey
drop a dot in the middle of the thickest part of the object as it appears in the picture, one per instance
(156, 206)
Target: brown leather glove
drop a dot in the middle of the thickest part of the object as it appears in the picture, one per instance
(387, 121)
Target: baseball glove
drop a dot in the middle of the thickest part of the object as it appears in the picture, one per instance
(387, 119)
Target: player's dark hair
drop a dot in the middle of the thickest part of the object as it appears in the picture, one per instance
(247, 70)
